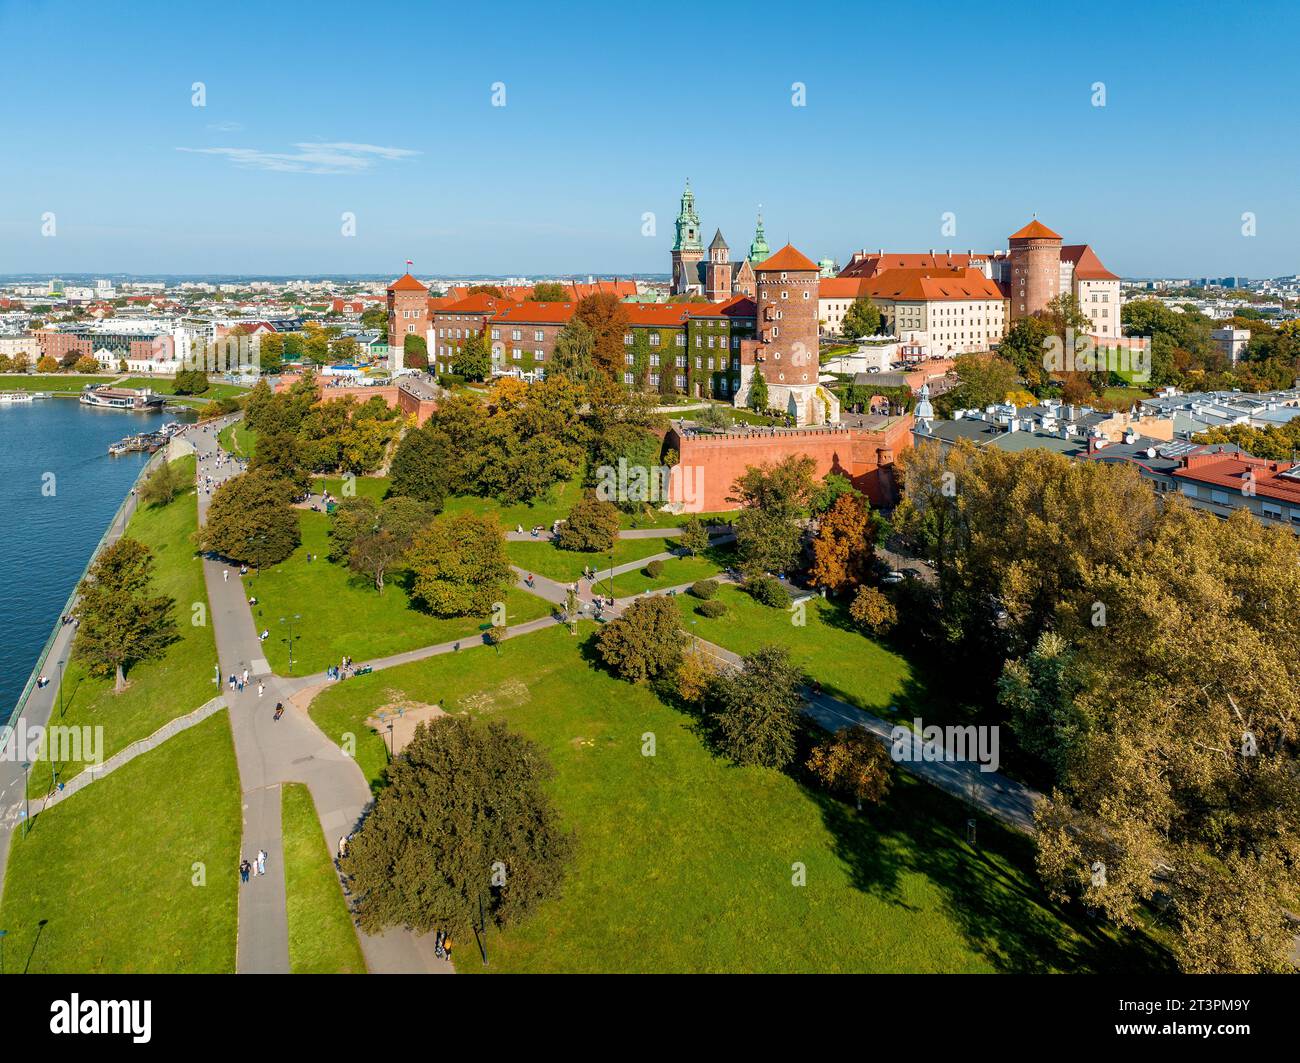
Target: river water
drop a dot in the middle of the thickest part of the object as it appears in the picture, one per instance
(58, 491)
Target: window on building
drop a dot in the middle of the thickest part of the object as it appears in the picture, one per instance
(538, 335)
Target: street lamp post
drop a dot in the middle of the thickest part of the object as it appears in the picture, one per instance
(27, 798)
(289, 621)
(61, 664)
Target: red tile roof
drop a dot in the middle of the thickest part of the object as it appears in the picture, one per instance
(870, 265)
(1035, 230)
(1229, 470)
(1087, 266)
(930, 285)
(407, 283)
(789, 259)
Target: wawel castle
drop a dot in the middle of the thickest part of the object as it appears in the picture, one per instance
(766, 313)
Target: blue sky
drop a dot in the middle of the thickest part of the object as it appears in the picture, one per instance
(981, 110)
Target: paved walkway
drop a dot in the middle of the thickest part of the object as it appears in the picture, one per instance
(271, 753)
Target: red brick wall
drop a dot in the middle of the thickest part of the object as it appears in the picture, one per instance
(390, 393)
(710, 464)
(399, 325)
(1035, 270)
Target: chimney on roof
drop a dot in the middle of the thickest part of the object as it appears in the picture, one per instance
(932, 252)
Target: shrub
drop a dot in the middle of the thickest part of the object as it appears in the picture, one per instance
(768, 590)
(704, 589)
(448, 380)
(712, 609)
(654, 569)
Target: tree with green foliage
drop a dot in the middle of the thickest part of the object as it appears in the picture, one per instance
(758, 400)
(695, 536)
(162, 485)
(421, 467)
(385, 543)
(861, 319)
(191, 382)
(251, 519)
(645, 642)
(550, 292)
(756, 709)
(773, 498)
(459, 565)
(575, 352)
(87, 363)
(592, 525)
(473, 358)
(415, 351)
(120, 620)
(464, 828)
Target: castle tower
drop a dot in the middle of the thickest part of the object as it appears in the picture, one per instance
(758, 249)
(786, 350)
(688, 251)
(1035, 269)
(408, 314)
(717, 274)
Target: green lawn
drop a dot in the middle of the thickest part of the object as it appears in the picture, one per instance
(159, 690)
(136, 873)
(238, 439)
(167, 386)
(321, 937)
(685, 861)
(366, 486)
(849, 665)
(555, 505)
(51, 382)
(342, 613)
(566, 566)
(677, 571)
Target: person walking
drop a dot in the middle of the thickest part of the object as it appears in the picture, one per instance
(261, 861)
(260, 688)
(343, 846)
(244, 867)
(245, 676)
(446, 947)
(225, 575)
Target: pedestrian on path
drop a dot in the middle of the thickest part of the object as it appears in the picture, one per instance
(245, 675)
(260, 688)
(261, 861)
(244, 868)
(225, 575)
(343, 846)
(446, 948)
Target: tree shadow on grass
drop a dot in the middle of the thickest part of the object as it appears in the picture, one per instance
(990, 889)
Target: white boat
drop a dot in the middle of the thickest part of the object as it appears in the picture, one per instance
(7, 397)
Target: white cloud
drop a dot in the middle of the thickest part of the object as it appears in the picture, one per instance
(226, 127)
(333, 157)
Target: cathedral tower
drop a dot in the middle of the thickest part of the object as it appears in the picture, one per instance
(717, 274)
(688, 250)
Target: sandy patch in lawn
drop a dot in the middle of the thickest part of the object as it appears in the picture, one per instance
(404, 717)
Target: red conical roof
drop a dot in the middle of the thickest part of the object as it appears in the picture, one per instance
(407, 283)
(1035, 230)
(789, 259)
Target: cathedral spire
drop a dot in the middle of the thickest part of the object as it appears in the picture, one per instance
(758, 250)
(688, 223)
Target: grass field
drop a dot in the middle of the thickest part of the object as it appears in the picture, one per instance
(321, 937)
(366, 486)
(677, 570)
(136, 873)
(51, 381)
(849, 665)
(167, 386)
(685, 862)
(548, 560)
(159, 690)
(238, 439)
(342, 613)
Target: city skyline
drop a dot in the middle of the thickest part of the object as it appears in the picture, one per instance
(966, 141)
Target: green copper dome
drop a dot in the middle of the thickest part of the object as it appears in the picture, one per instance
(758, 250)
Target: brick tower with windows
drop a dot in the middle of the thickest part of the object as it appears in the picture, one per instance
(408, 315)
(717, 274)
(786, 350)
(1035, 269)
